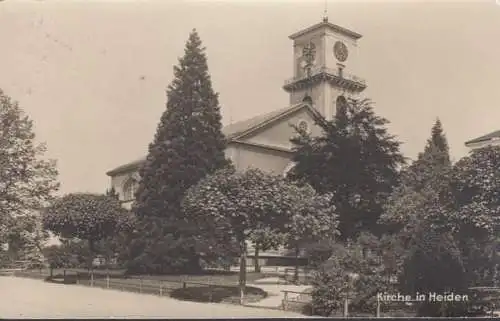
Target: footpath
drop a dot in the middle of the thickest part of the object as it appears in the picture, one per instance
(273, 289)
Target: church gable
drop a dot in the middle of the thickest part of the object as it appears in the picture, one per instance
(278, 132)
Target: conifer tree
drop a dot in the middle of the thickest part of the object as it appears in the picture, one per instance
(424, 191)
(188, 145)
(435, 159)
(420, 212)
(356, 159)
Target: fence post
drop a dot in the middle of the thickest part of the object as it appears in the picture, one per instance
(209, 291)
(346, 307)
(184, 285)
(91, 278)
(64, 276)
(378, 308)
(107, 281)
(285, 300)
(161, 288)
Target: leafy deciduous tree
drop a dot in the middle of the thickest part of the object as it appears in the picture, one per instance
(355, 271)
(234, 205)
(89, 217)
(27, 181)
(476, 184)
(312, 219)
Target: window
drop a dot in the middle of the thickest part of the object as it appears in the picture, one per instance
(341, 105)
(308, 100)
(303, 125)
(129, 189)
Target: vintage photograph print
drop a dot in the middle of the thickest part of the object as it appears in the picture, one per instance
(249, 159)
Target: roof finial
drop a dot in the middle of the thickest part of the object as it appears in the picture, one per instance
(325, 12)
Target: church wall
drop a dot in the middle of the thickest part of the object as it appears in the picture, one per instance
(352, 60)
(316, 94)
(127, 205)
(245, 157)
(299, 43)
(118, 181)
(279, 134)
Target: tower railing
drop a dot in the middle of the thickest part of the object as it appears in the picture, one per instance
(330, 71)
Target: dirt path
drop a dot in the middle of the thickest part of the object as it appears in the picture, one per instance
(27, 298)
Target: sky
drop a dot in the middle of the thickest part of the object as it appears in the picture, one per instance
(92, 75)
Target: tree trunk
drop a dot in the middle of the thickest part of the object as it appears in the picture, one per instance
(90, 259)
(296, 274)
(257, 265)
(243, 270)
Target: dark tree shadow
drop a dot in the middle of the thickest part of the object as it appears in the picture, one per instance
(217, 294)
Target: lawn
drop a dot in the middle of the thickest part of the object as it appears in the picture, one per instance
(211, 286)
(214, 277)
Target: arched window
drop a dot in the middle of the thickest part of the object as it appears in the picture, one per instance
(308, 100)
(129, 189)
(341, 105)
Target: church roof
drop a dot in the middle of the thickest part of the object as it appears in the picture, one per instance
(231, 131)
(487, 137)
(238, 129)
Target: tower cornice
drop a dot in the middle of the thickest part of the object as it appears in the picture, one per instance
(328, 25)
(342, 80)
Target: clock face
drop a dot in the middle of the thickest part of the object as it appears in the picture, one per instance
(340, 51)
(303, 126)
(309, 53)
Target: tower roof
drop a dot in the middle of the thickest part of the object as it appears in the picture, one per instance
(329, 25)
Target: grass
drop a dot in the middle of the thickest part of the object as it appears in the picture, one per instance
(223, 278)
(211, 286)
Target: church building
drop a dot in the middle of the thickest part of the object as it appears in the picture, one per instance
(324, 60)
(324, 63)
(491, 139)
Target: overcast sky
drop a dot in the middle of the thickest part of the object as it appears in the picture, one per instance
(92, 75)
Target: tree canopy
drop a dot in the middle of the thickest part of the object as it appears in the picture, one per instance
(232, 205)
(356, 159)
(27, 179)
(89, 217)
(188, 145)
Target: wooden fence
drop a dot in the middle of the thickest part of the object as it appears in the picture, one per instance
(297, 301)
(131, 284)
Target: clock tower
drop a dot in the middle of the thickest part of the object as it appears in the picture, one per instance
(324, 61)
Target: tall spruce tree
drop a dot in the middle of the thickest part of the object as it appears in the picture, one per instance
(420, 212)
(188, 145)
(423, 195)
(356, 159)
(435, 159)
